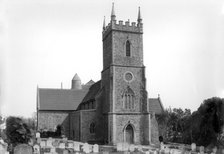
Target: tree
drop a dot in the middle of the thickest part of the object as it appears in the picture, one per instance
(203, 127)
(1, 120)
(211, 121)
(174, 125)
(17, 131)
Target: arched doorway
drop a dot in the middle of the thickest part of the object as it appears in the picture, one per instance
(129, 134)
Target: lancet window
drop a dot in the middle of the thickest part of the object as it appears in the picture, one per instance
(128, 48)
(92, 128)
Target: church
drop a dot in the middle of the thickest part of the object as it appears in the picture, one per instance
(114, 109)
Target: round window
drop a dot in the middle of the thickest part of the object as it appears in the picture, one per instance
(128, 76)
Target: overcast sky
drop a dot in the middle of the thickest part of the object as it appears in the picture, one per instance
(45, 42)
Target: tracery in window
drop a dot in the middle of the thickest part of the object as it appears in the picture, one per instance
(128, 98)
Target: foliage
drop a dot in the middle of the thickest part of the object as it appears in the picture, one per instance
(203, 127)
(1, 120)
(50, 133)
(173, 123)
(17, 131)
(30, 123)
(211, 120)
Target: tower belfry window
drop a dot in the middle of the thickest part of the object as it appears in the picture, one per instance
(128, 48)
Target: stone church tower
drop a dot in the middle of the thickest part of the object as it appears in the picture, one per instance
(114, 109)
(125, 108)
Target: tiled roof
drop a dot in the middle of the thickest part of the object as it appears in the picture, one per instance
(60, 99)
(91, 82)
(155, 105)
(93, 90)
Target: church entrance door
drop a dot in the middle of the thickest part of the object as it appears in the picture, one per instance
(129, 134)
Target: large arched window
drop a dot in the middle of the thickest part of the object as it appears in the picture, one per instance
(128, 98)
(128, 48)
(92, 128)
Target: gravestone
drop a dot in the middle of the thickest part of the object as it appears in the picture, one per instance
(42, 143)
(132, 148)
(38, 140)
(150, 151)
(36, 149)
(139, 147)
(76, 146)
(193, 147)
(125, 146)
(95, 148)
(65, 151)
(55, 143)
(167, 150)
(119, 146)
(49, 142)
(64, 139)
(214, 150)
(155, 152)
(202, 150)
(53, 150)
(2, 148)
(161, 151)
(86, 148)
(172, 151)
(23, 149)
(187, 152)
(61, 145)
(177, 151)
(70, 145)
(31, 142)
(162, 146)
(37, 135)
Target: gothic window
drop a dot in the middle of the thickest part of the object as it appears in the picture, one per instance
(128, 48)
(92, 128)
(128, 98)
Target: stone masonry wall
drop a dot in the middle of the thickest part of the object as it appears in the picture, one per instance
(155, 130)
(50, 119)
(87, 117)
(139, 122)
(137, 85)
(119, 49)
(106, 85)
(75, 125)
(107, 51)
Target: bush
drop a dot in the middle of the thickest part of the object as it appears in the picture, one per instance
(17, 131)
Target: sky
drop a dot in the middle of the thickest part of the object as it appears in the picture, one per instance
(45, 42)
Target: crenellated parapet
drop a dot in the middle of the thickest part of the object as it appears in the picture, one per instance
(130, 27)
